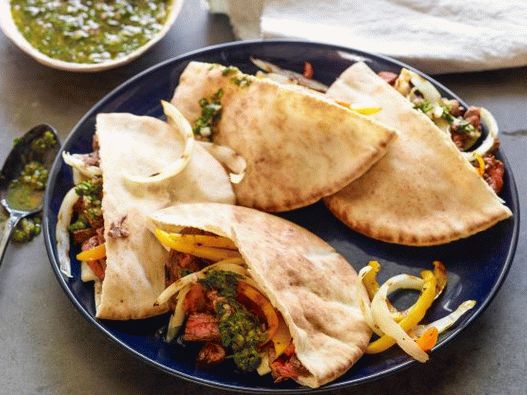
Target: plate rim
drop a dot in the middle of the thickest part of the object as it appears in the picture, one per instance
(57, 164)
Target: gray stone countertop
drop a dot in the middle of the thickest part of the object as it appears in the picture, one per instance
(47, 347)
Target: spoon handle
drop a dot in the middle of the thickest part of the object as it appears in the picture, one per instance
(6, 234)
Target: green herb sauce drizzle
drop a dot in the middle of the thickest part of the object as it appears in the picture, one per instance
(240, 330)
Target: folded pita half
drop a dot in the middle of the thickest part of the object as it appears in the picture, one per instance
(305, 279)
(423, 192)
(137, 146)
(299, 145)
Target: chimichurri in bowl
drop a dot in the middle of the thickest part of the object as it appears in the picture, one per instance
(86, 35)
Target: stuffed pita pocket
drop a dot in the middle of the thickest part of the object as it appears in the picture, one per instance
(106, 211)
(304, 291)
(299, 146)
(423, 192)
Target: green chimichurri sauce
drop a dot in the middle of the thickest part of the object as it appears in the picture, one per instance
(83, 31)
(240, 329)
(27, 190)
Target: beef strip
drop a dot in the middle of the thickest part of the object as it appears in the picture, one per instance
(178, 264)
(211, 354)
(472, 115)
(201, 327)
(456, 109)
(196, 300)
(81, 235)
(388, 76)
(285, 368)
(459, 139)
(98, 267)
(494, 171)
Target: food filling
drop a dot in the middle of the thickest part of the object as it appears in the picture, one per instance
(87, 223)
(218, 305)
(463, 125)
(88, 31)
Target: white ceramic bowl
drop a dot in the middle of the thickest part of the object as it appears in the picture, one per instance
(11, 31)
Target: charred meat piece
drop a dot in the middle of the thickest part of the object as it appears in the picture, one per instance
(472, 115)
(80, 236)
(90, 243)
(213, 297)
(201, 327)
(494, 171)
(196, 299)
(178, 265)
(459, 139)
(100, 235)
(388, 76)
(455, 108)
(285, 368)
(97, 267)
(211, 354)
(95, 221)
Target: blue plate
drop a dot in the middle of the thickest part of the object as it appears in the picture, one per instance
(477, 266)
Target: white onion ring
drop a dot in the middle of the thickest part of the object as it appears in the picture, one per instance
(61, 231)
(427, 89)
(76, 162)
(228, 158)
(383, 318)
(364, 301)
(295, 77)
(182, 126)
(176, 320)
(492, 128)
(446, 322)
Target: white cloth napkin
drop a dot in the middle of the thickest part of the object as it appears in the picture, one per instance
(436, 36)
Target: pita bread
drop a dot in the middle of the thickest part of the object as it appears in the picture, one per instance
(136, 145)
(423, 192)
(299, 146)
(311, 285)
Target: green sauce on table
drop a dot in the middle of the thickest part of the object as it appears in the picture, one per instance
(85, 31)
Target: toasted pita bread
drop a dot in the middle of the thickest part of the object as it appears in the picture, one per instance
(299, 146)
(311, 285)
(132, 145)
(423, 192)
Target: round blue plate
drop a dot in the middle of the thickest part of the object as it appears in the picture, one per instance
(477, 266)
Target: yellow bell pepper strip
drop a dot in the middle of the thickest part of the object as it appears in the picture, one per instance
(414, 316)
(481, 164)
(212, 253)
(428, 340)
(370, 279)
(372, 286)
(93, 254)
(203, 240)
(441, 276)
(360, 108)
(269, 312)
(282, 338)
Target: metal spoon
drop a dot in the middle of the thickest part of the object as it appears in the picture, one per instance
(11, 170)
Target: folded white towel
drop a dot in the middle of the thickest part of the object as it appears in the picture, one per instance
(436, 36)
